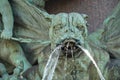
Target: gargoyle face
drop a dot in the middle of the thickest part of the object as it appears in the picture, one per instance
(68, 30)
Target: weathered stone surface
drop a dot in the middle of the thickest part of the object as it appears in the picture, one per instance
(33, 24)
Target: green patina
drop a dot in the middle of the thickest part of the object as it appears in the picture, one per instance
(36, 33)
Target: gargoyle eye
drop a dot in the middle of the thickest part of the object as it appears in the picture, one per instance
(58, 27)
(81, 28)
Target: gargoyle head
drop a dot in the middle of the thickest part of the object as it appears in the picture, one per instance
(68, 30)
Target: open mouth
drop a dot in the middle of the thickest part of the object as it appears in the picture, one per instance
(69, 48)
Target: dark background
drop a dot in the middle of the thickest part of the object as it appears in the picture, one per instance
(97, 10)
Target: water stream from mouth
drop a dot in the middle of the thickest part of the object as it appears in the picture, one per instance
(51, 64)
(91, 58)
(53, 60)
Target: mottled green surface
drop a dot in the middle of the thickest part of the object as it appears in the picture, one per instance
(33, 25)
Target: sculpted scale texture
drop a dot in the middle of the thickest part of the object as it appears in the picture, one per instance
(32, 23)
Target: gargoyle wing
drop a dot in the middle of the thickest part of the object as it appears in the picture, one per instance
(109, 36)
(31, 23)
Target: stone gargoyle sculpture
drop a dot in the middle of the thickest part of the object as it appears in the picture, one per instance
(36, 34)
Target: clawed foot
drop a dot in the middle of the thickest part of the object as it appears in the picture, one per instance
(6, 34)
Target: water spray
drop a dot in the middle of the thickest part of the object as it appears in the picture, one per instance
(91, 58)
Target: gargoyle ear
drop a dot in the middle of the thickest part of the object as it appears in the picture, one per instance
(85, 16)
